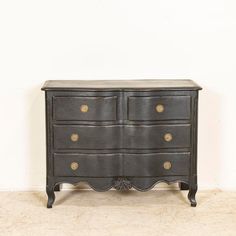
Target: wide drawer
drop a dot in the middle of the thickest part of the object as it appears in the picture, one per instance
(85, 108)
(87, 137)
(157, 136)
(88, 165)
(156, 164)
(117, 137)
(159, 108)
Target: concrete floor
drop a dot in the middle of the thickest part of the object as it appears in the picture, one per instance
(113, 213)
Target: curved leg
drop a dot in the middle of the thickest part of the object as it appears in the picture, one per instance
(51, 195)
(191, 196)
(183, 186)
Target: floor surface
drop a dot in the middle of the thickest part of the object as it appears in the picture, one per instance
(89, 213)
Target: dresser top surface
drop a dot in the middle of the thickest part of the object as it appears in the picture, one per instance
(120, 84)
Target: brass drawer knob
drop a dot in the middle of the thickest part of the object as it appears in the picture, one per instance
(168, 137)
(74, 165)
(159, 108)
(84, 108)
(167, 165)
(74, 137)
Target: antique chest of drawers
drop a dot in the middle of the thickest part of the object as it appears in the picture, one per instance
(121, 134)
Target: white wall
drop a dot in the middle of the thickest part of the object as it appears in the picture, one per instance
(108, 39)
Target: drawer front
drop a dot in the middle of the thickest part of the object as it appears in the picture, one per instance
(86, 137)
(85, 108)
(88, 165)
(158, 108)
(157, 136)
(157, 164)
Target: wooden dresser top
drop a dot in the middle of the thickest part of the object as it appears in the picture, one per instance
(120, 84)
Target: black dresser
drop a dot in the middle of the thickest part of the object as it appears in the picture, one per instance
(121, 134)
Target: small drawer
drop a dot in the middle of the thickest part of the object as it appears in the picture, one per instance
(156, 164)
(85, 108)
(86, 137)
(157, 136)
(159, 108)
(88, 165)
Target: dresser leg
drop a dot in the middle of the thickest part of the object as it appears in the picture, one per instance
(51, 195)
(191, 196)
(57, 188)
(183, 186)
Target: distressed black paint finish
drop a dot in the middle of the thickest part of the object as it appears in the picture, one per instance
(145, 108)
(152, 165)
(120, 135)
(98, 108)
(90, 165)
(153, 136)
(126, 136)
(90, 137)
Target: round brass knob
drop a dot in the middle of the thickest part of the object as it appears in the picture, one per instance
(74, 165)
(84, 108)
(74, 137)
(167, 165)
(160, 108)
(168, 137)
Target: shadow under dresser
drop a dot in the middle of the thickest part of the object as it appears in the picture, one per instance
(121, 134)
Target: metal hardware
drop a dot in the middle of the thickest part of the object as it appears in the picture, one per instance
(84, 108)
(74, 165)
(74, 137)
(160, 108)
(168, 137)
(167, 165)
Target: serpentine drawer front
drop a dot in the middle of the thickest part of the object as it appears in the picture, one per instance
(129, 137)
(85, 108)
(89, 165)
(121, 134)
(159, 108)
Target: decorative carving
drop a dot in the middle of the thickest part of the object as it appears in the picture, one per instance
(122, 184)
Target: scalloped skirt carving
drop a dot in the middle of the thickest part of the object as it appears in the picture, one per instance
(122, 183)
(119, 183)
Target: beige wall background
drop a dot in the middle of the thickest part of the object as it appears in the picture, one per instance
(108, 39)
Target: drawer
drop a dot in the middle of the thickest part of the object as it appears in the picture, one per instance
(159, 108)
(156, 164)
(88, 165)
(85, 108)
(86, 137)
(157, 136)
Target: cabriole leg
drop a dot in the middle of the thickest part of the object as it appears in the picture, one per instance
(191, 196)
(51, 195)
